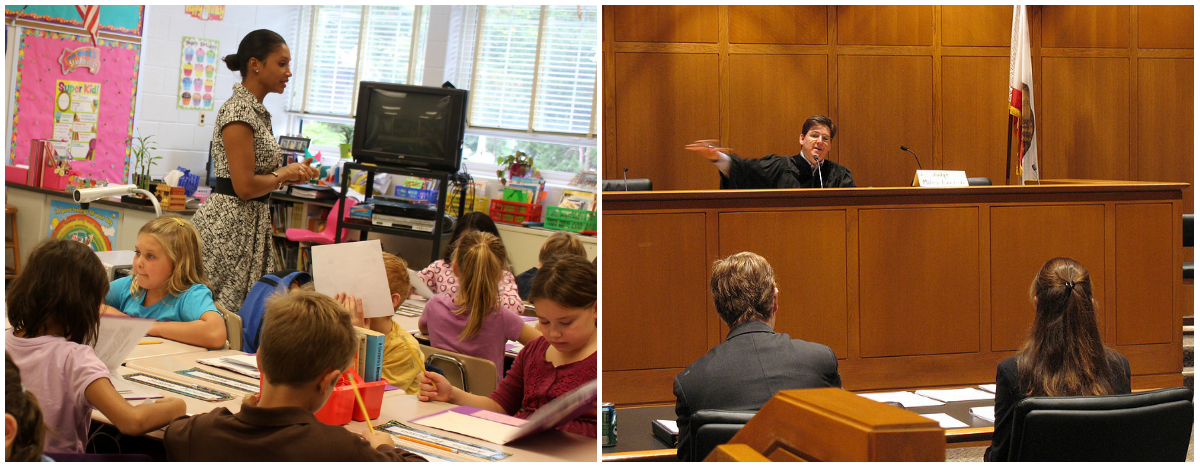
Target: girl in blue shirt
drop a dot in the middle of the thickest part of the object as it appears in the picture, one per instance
(168, 285)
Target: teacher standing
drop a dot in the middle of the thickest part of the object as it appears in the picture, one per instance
(235, 223)
(809, 169)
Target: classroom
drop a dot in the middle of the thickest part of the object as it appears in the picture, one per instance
(822, 212)
(314, 232)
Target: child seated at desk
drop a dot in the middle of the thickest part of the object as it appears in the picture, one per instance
(307, 343)
(441, 278)
(54, 307)
(168, 285)
(562, 359)
(559, 243)
(24, 430)
(402, 356)
(472, 322)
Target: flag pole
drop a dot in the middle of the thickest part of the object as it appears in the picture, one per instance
(1008, 154)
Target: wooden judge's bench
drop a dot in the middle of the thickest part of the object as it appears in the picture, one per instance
(911, 287)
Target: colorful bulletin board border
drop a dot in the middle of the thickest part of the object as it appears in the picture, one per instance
(120, 19)
(93, 227)
(38, 73)
(197, 73)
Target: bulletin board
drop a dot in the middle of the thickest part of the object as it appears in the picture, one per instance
(120, 19)
(38, 76)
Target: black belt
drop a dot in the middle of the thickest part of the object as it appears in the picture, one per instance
(225, 187)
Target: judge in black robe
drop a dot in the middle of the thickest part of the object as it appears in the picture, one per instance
(772, 171)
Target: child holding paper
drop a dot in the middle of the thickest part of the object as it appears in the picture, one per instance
(168, 285)
(307, 343)
(54, 309)
(402, 356)
(473, 323)
(559, 361)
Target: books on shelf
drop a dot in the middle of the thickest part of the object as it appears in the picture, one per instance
(578, 200)
(312, 192)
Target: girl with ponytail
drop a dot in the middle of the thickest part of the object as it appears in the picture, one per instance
(472, 322)
(1064, 354)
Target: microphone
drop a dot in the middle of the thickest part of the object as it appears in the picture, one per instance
(626, 175)
(820, 178)
(905, 148)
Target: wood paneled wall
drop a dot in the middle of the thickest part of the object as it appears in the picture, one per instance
(1113, 87)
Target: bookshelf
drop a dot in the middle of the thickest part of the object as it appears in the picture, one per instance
(294, 212)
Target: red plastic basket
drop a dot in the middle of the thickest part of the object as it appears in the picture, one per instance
(514, 213)
(341, 406)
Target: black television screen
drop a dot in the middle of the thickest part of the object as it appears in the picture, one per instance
(410, 126)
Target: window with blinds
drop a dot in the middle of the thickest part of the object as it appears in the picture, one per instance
(532, 68)
(346, 44)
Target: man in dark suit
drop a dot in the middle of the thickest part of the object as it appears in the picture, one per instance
(754, 362)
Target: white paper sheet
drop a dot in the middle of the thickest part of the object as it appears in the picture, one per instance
(991, 388)
(131, 391)
(957, 394)
(987, 413)
(231, 366)
(670, 424)
(355, 268)
(117, 338)
(908, 399)
(945, 420)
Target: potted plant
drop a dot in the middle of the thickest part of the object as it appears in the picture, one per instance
(517, 164)
(143, 161)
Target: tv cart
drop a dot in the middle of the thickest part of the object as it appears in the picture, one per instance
(438, 225)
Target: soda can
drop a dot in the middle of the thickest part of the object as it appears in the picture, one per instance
(608, 418)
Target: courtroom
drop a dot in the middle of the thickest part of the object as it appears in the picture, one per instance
(897, 233)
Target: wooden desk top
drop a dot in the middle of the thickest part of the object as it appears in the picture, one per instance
(165, 348)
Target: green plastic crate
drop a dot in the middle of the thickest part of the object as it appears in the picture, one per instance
(567, 219)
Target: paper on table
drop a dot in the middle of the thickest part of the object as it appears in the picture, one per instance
(908, 399)
(988, 387)
(227, 365)
(242, 360)
(117, 338)
(466, 421)
(670, 424)
(957, 394)
(131, 391)
(945, 420)
(987, 413)
(355, 268)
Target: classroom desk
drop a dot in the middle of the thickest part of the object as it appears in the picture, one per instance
(553, 445)
(636, 441)
(165, 348)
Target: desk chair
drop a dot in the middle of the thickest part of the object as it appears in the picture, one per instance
(473, 375)
(1147, 426)
(710, 428)
(326, 235)
(233, 327)
(631, 185)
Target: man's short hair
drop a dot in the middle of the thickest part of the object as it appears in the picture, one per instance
(304, 333)
(743, 288)
(819, 120)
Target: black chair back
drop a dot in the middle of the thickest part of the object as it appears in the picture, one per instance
(979, 181)
(1189, 230)
(1144, 427)
(710, 428)
(634, 185)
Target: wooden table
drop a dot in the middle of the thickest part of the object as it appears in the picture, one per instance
(165, 347)
(911, 287)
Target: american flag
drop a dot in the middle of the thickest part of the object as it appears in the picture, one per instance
(91, 20)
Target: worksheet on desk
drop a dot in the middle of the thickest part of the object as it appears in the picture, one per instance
(117, 338)
(502, 428)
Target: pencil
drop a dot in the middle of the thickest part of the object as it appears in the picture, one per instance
(431, 444)
(417, 357)
(361, 405)
(149, 342)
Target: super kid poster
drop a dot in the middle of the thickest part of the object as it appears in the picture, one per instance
(93, 227)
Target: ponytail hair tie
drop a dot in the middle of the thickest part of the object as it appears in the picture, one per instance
(1069, 285)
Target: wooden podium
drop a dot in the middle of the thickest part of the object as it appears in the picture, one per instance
(911, 287)
(833, 425)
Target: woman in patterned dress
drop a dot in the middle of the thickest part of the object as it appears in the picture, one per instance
(235, 222)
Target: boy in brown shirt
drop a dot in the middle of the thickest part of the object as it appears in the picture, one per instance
(307, 342)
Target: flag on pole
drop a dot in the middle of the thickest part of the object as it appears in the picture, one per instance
(1020, 105)
(91, 20)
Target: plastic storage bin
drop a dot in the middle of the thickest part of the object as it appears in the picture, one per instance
(514, 213)
(567, 219)
(480, 204)
(341, 406)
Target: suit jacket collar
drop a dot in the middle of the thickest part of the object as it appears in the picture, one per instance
(751, 326)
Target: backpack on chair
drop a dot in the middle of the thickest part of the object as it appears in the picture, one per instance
(256, 303)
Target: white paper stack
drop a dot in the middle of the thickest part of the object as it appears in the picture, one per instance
(945, 420)
(908, 399)
(241, 363)
(957, 394)
(988, 388)
(987, 413)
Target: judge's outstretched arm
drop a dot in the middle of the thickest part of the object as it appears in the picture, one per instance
(712, 152)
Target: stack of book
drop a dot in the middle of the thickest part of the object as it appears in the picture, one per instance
(578, 200)
(368, 360)
(525, 190)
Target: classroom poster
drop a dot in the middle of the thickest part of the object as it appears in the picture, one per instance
(197, 73)
(93, 227)
(38, 77)
(120, 19)
(205, 12)
(76, 115)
